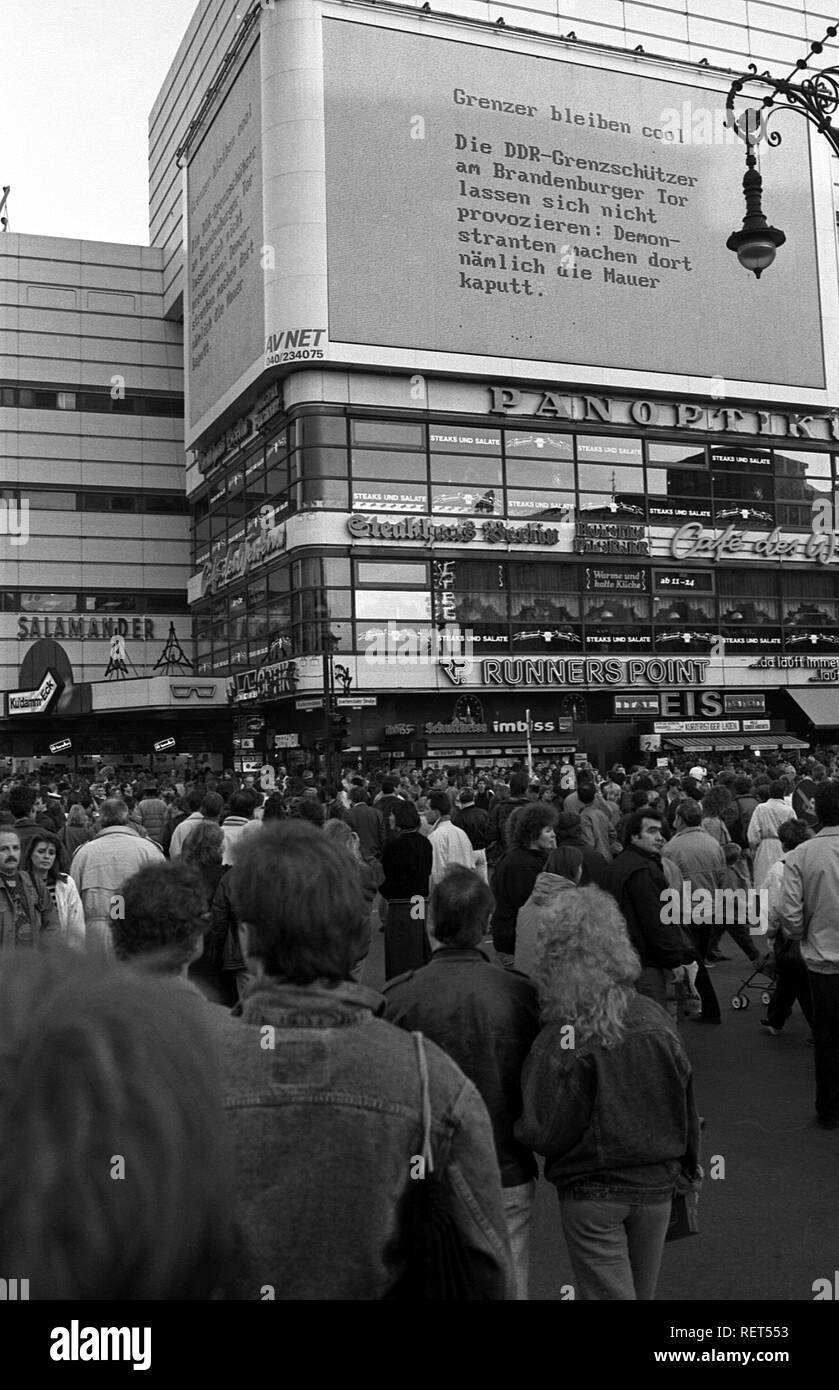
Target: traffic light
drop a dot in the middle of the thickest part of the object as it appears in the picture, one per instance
(339, 733)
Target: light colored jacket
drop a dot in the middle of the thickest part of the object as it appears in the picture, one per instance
(181, 831)
(545, 889)
(70, 913)
(807, 907)
(451, 845)
(323, 1105)
(99, 870)
(699, 857)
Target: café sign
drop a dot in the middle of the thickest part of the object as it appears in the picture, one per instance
(243, 556)
(692, 541)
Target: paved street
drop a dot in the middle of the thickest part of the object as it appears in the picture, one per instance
(770, 1226)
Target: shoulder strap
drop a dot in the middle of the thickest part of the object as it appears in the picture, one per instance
(422, 1062)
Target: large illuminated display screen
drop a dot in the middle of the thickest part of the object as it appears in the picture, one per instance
(496, 203)
(224, 221)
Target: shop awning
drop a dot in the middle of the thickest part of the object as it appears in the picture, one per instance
(733, 743)
(820, 706)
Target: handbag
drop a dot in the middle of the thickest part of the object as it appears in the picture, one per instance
(684, 1216)
(439, 1265)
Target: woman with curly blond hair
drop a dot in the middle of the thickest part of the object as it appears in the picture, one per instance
(608, 1099)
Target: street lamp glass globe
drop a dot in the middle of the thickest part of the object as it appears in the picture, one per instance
(757, 253)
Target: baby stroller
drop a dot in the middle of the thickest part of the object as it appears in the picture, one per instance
(761, 979)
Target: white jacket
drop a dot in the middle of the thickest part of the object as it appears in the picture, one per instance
(70, 913)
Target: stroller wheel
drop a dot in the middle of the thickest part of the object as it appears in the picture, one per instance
(740, 1001)
(766, 997)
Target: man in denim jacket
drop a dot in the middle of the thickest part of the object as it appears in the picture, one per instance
(323, 1097)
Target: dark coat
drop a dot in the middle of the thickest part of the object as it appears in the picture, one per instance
(406, 862)
(486, 1019)
(512, 884)
(636, 881)
(476, 824)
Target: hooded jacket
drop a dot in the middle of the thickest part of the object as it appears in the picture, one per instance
(545, 889)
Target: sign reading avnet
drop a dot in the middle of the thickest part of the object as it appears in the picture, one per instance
(555, 210)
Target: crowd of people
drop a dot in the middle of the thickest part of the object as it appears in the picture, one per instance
(204, 1099)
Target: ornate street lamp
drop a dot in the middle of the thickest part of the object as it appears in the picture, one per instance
(816, 98)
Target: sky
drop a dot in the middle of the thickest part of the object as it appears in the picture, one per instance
(77, 82)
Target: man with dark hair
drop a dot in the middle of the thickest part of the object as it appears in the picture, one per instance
(475, 822)
(22, 800)
(598, 831)
(569, 831)
(101, 867)
(163, 919)
(531, 830)
(450, 844)
(636, 880)
(324, 1098)
(807, 910)
(28, 918)
(150, 813)
(194, 800)
(500, 814)
(486, 1019)
(238, 821)
(701, 863)
(368, 826)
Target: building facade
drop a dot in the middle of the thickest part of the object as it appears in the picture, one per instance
(490, 434)
(95, 630)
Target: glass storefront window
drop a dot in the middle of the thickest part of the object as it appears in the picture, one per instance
(389, 497)
(388, 432)
(399, 605)
(386, 464)
(608, 449)
(322, 429)
(384, 574)
(321, 493)
(453, 500)
(557, 507)
(443, 439)
(540, 607)
(543, 445)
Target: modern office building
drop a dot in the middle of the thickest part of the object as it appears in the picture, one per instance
(488, 427)
(95, 632)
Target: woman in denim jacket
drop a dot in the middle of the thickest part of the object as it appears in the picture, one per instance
(608, 1099)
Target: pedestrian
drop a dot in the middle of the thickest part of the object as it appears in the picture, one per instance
(807, 912)
(201, 852)
(763, 831)
(152, 813)
(449, 844)
(532, 836)
(791, 979)
(500, 813)
(101, 867)
(637, 880)
(341, 834)
(324, 1098)
(616, 1151)
(486, 1019)
(597, 826)
(470, 818)
(563, 869)
(116, 1173)
(46, 863)
(77, 830)
(238, 821)
(406, 864)
(28, 918)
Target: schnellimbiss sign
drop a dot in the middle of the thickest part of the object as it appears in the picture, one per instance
(34, 701)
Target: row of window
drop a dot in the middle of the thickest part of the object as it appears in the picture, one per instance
(517, 606)
(65, 601)
(116, 401)
(315, 464)
(56, 500)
